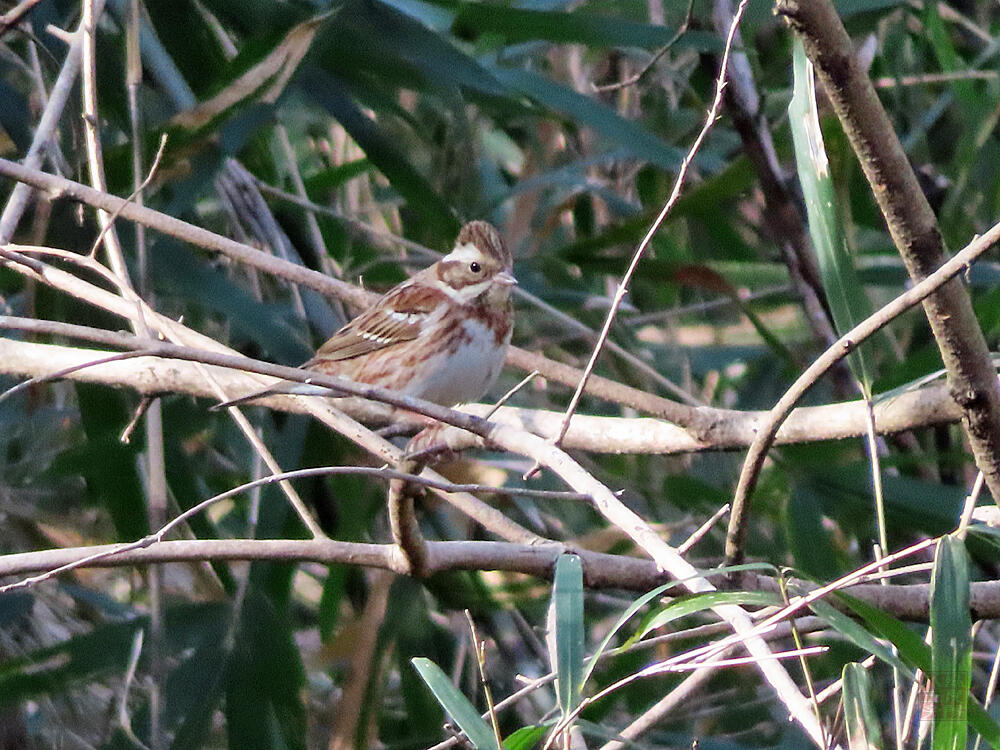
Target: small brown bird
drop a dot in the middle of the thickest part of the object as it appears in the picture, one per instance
(441, 335)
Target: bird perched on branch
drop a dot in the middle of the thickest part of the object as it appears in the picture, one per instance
(442, 335)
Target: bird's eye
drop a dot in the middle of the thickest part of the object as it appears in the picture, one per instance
(475, 267)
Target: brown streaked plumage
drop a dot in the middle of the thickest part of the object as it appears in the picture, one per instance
(442, 335)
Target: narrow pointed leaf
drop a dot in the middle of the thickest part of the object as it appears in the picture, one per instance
(857, 634)
(840, 279)
(457, 705)
(951, 643)
(912, 648)
(567, 606)
(686, 605)
(863, 731)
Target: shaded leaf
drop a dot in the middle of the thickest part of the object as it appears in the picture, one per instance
(951, 643)
(457, 705)
(264, 82)
(566, 611)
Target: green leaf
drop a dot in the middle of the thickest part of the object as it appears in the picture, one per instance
(625, 617)
(567, 606)
(457, 705)
(686, 605)
(809, 540)
(52, 670)
(863, 732)
(912, 648)
(640, 143)
(380, 149)
(320, 183)
(525, 738)
(840, 279)
(264, 679)
(951, 643)
(522, 25)
(857, 635)
(194, 691)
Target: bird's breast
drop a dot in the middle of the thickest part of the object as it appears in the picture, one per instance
(465, 368)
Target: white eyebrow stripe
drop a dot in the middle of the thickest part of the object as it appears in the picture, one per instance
(467, 251)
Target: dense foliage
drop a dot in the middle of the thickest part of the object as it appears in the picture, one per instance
(406, 118)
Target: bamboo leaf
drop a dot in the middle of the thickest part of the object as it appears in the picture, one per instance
(566, 611)
(863, 731)
(457, 705)
(951, 643)
(840, 279)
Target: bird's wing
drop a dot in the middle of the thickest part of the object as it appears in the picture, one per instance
(397, 317)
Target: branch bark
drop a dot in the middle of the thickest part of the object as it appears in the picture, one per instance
(734, 430)
(59, 187)
(600, 571)
(912, 224)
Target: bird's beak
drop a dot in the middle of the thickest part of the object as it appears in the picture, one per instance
(505, 277)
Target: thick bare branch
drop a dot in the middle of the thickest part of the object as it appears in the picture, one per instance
(911, 222)
(600, 571)
(922, 407)
(738, 521)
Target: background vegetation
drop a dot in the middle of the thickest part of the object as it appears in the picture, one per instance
(322, 134)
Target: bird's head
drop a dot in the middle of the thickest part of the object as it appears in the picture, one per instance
(479, 264)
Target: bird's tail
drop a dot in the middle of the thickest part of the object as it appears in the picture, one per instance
(286, 388)
(244, 399)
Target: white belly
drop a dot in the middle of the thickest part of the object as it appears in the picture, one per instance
(465, 375)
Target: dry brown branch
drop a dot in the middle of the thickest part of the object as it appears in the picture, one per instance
(58, 187)
(403, 519)
(754, 461)
(908, 602)
(911, 222)
(675, 194)
(923, 407)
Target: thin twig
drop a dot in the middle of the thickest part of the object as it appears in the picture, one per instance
(511, 393)
(634, 79)
(970, 506)
(738, 519)
(134, 196)
(700, 532)
(479, 648)
(47, 124)
(915, 408)
(713, 114)
(124, 721)
(926, 79)
(13, 16)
